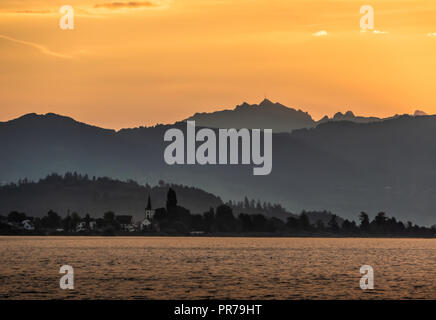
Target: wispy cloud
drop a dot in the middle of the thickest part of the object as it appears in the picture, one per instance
(37, 46)
(433, 34)
(33, 11)
(321, 33)
(128, 5)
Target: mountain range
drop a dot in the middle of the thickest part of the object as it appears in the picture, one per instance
(275, 116)
(341, 166)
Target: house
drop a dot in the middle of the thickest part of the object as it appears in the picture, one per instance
(126, 223)
(197, 233)
(144, 224)
(92, 225)
(84, 226)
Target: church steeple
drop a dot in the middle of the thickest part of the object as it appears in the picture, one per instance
(148, 204)
(149, 215)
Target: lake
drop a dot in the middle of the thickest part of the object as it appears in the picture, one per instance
(216, 268)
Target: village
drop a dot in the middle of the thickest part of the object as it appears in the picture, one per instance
(73, 223)
(174, 219)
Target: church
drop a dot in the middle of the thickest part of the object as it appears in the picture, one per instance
(149, 216)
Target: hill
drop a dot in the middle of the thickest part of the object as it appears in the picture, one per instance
(266, 114)
(341, 166)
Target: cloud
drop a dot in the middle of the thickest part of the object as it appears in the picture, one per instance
(129, 5)
(33, 11)
(321, 33)
(39, 47)
(431, 34)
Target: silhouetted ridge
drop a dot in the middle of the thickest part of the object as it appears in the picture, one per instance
(266, 114)
(341, 166)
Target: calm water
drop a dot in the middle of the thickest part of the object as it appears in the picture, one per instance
(216, 268)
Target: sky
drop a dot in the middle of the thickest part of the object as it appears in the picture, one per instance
(134, 63)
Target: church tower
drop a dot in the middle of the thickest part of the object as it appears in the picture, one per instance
(149, 212)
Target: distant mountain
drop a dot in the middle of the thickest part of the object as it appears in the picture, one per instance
(419, 113)
(274, 116)
(341, 166)
(349, 116)
(257, 116)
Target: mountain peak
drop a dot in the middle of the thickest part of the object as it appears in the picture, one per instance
(266, 102)
(419, 113)
(266, 114)
(344, 116)
(36, 116)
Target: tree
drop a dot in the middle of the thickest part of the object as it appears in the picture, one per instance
(171, 199)
(319, 225)
(87, 220)
(303, 221)
(349, 226)
(197, 223)
(66, 223)
(246, 203)
(246, 223)
(209, 219)
(51, 221)
(364, 222)
(110, 221)
(225, 221)
(259, 222)
(292, 223)
(380, 219)
(75, 220)
(16, 216)
(333, 224)
(160, 214)
(380, 222)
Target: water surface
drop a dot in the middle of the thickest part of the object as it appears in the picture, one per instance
(216, 268)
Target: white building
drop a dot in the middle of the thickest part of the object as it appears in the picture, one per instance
(149, 216)
(81, 226)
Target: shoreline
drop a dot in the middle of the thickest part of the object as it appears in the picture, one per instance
(221, 235)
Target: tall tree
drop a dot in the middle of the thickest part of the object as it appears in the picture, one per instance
(171, 199)
(364, 221)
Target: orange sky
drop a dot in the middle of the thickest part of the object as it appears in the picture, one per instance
(161, 61)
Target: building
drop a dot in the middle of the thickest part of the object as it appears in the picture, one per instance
(85, 226)
(126, 223)
(149, 216)
(149, 212)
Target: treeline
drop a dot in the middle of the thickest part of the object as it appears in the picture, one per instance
(257, 207)
(222, 220)
(175, 219)
(95, 195)
(83, 193)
